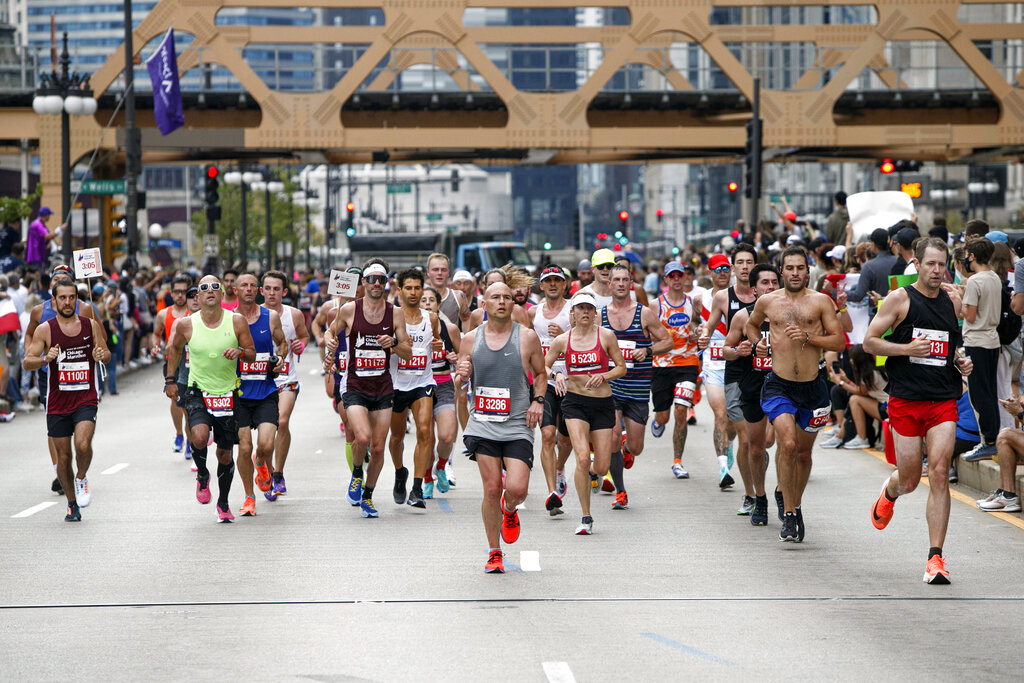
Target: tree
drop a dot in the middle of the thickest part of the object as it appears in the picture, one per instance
(13, 209)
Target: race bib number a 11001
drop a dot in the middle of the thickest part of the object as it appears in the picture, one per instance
(73, 376)
(492, 404)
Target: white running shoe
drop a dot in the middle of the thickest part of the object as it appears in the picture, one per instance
(856, 443)
(23, 406)
(1000, 501)
(82, 495)
(834, 442)
(561, 485)
(679, 472)
(585, 528)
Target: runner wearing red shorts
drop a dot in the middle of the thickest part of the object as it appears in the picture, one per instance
(924, 385)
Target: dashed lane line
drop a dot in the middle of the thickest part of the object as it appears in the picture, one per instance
(558, 672)
(114, 469)
(33, 510)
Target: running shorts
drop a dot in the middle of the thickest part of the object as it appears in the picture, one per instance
(915, 418)
(664, 381)
(599, 413)
(62, 425)
(519, 449)
(252, 412)
(808, 402)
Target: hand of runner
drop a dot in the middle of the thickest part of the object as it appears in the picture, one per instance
(279, 368)
(297, 347)
(703, 339)
(796, 333)
(97, 354)
(452, 357)
(921, 348)
(760, 349)
(744, 348)
(464, 370)
(332, 342)
(554, 330)
(437, 344)
(232, 353)
(560, 387)
(595, 380)
(52, 354)
(171, 391)
(534, 414)
(639, 354)
(964, 365)
(385, 341)
(329, 362)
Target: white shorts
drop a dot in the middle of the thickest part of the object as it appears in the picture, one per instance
(713, 378)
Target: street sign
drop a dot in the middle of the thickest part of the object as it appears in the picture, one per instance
(165, 242)
(399, 188)
(100, 187)
(451, 228)
(434, 217)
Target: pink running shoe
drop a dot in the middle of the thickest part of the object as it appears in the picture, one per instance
(224, 514)
(203, 490)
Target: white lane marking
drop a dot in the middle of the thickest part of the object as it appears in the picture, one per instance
(33, 510)
(521, 506)
(114, 469)
(318, 451)
(529, 560)
(558, 672)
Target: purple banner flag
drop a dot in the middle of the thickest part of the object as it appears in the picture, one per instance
(163, 74)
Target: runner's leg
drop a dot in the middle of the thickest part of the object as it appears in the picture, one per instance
(285, 405)
(579, 434)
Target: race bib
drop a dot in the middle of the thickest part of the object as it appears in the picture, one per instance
(762, 363)
(414, 366)
(492, 404)
(583, 362)
(287, 367)
(715, 360)
(627, 348)
(371, 362)
(220, 405)
(256, 370)
(342, 362)
(438, 359)
(939, 351)
(684, 393)
(73, 376)
(819, 418)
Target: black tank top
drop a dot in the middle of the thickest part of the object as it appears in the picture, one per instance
(935, 377)
(734, 307)
(368, 363)
(742, 369)
(439, 359)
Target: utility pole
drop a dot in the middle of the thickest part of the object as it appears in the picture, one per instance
(753, 157)
(132, 144)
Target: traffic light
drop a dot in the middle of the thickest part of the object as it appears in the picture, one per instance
(350, 212)
(752, 159)
(212, 198)
(899, 166)
(602, 235)
(733, 188)
(659, 213)
(114, 237)
(547, 246)
(887, 167)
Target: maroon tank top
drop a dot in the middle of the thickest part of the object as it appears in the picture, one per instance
(369, 369)
(72, 376)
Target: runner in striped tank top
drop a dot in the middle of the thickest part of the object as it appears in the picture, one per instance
(640, 336)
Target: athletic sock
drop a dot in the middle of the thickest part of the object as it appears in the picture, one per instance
(199, 458)
(615, 467)
(723, 461)
(368, 492)
(357, 471)
(348, 454)
(675, 460)
(442, 463)
(887, 496)
(417, 483)
(934, 551)
(225, 473)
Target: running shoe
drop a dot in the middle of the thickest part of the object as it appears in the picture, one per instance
(628, 459)
(263, 479)
(401, 476)
(416, 499)
(747, 507)
(656, 429)
(678, 472)
(621, 501)
(1003, 501)
(856, 443)
(586, 527)
(494, 564)
(789, 531)
(74, 514)
(607, 485)
(179, 443)
(759, 515)
(428, 490)
(56, 487)
(449, 472)
(881, 511)
(270, 495)
(355, 490)
(509, 523)
(224, 515)
(594, 482)
(7, 416)
(441, 478)
(248, 508)
(366, 505)
(691, 417)
(725, 479)
(924, 466)
(833, 442)
(991, 496)
(553, 504)
(983, 451)
(781, 504)
(561, 483)
(935, 573)
(82, 494)
(279, 488)
(188, 450)
(954, 477)
(203, 490)
(800, 528)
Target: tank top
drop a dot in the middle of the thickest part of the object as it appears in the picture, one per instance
(229, 306)
(71, 377)
(934, 377)
(602, 299)
(712, 358)
(750, 371)
(368, 371)
(501, 394)
(169, 321)
(635, 385)
(676, 319)
(439, 364)
(450, 307)
(208, 369)
(415, 372)
(254, 380)
(585, 362)
(540, 326)
(289, 375)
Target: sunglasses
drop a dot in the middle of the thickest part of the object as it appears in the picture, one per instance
(209, 285)
(376, 279)
(721, 269)
(179, 291)
(674, 276)
(604, 266)
(191, 295)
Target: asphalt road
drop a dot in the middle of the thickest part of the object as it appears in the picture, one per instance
(149, 587)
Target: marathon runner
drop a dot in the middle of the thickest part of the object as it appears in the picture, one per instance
(588, 409)
(924, 371)
(795, 397)
(454, 304)
(70, 344)
(747, 373)
(512, 276)
(334, 381)
(505, 413)
(376, 329)
(164, 320)
(640, 337)
(230, 301)
(446, 425)
(414, 386)
(275, 285)
(674, 379)
(602, 262)
(257, 404)
(216, 339)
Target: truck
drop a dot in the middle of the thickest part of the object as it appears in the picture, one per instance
(473, 251)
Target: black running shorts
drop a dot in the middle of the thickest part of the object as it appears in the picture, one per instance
(253, 412)
(62, 425)
(520, 449)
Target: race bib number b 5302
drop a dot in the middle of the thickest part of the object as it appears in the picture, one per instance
(220, 405)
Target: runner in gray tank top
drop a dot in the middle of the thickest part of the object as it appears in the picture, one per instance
(500, 429)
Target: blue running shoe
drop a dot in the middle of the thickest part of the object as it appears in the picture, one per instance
(441, 477)
(355, 490)
(656, 429)
(367, 507)
(428, 490)
(188, 450)
(279, 488)
(179, 443)
(270, 495)
(983, 451)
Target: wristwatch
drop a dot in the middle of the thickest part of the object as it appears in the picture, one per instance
(537, 399)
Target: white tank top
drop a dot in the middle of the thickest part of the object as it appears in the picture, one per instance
(540, 326)
(415, 372)
(288, 325)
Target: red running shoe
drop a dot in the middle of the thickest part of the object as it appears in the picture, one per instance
(509, 523)
(494, 564)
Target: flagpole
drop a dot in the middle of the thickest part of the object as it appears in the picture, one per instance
(132, 146)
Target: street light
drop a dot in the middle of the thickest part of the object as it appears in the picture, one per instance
(64, 93)
(270, 187)
(245, 180)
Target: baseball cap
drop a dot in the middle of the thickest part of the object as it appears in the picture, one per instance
(673, 267)
(97, 289)
(906, 236)
(583, 298)
(551, 271)
(45, 211)
(837, 252)
(192, 291)
(997, 236)
(688, 268)
(718, 260)
(584, 265)
(790, 216)
(462, 276)
(111, 284)
(602, 256)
